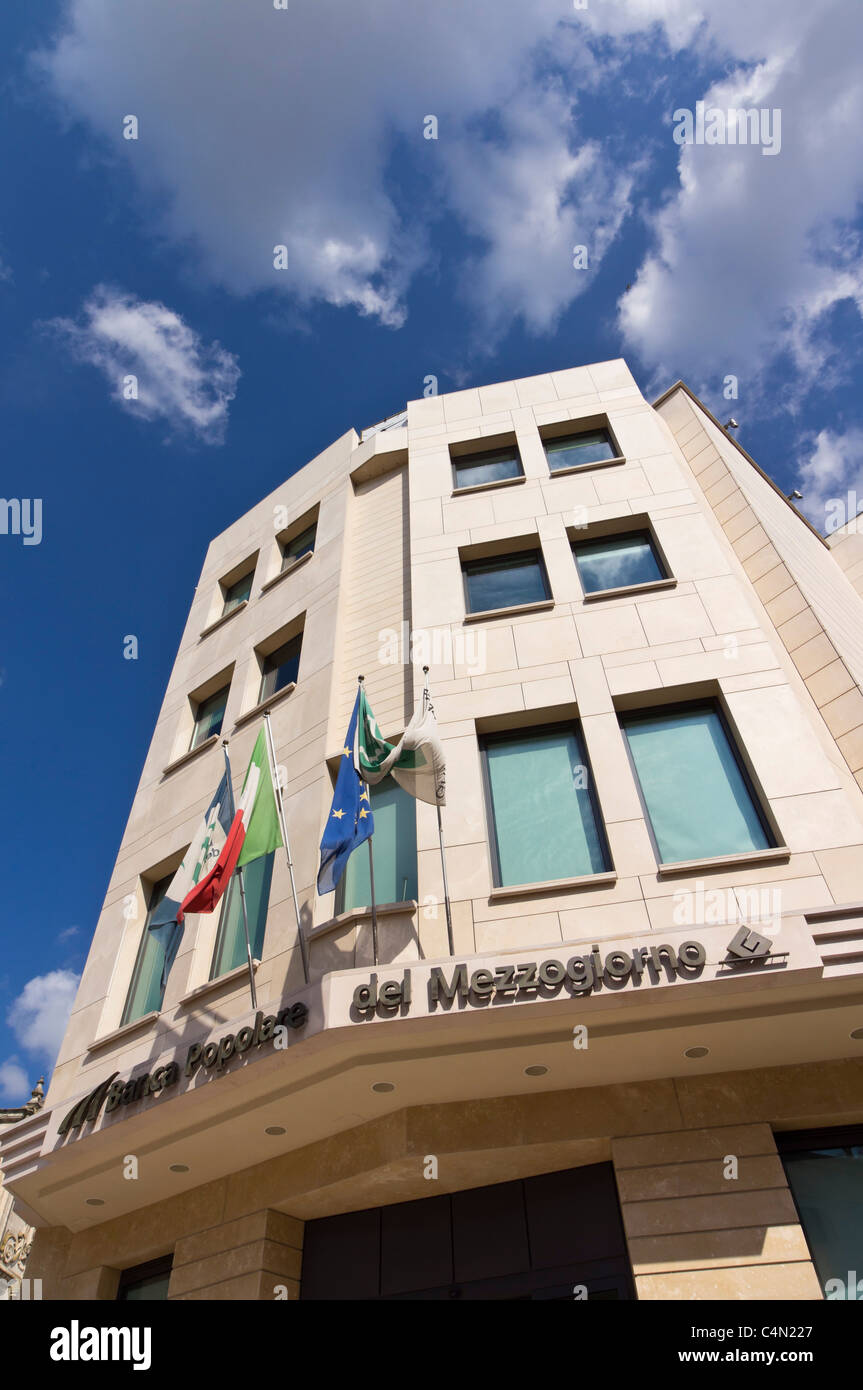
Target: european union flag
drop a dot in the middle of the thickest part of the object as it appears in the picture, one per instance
(350, 820)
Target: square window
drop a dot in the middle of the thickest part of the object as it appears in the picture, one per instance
(281, 667)
(543, 812)
(618, 562)
(493, 466)
(300, 545)
(697, 796)
(505, 581)
(579, 450)
(209, 717)
(237, 593)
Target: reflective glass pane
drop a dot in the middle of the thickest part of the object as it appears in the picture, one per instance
(231, 941)
(545, 820)
(209, 716)
(696, 795)
(576, 450)
(394, 844)
(301, 545)
(616, 562)
(281, 668)
(828, 1190)
(490, 468)
(504, 582)
(145, 992)
(238, 593)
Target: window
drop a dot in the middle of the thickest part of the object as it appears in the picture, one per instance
(580, 450)
(237, 593)
(147, 1282)
(145, 991)
(618, 562)
(543, 813)
(395, 852)
(280, 668)
(506, 581)
(493, 466)
(231, 938)
(209, 715)
(303, 544)
(696, 794)
(824, 1169)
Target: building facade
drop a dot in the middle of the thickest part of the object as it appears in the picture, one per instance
(16, 1237)
(640, 1074)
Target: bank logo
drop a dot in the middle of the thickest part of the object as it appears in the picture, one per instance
(749, 945)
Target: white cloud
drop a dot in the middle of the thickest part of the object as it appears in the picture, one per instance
(831, 478)
(178, 378)
(14, 1086)
(39, 1015)
(68, 933)
(260, 127)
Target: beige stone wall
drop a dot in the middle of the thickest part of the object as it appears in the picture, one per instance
(847, 546)
(691, 1232)
(694, 1232)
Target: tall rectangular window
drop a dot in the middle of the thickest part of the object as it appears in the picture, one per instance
(618, 562)
(493, 466)
(146, 1283)
(280, 668)
(825, 1173)
(145, 991)
(303, 544)
(579, 450)
(209, 716)
(697, 796)
(237, 593)
(543, 811)
(395, 851)
(231, 938)
(505, 581)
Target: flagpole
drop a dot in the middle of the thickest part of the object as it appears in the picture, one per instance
(239, 873)
(360, 680)
(440, 841)
(271, 750)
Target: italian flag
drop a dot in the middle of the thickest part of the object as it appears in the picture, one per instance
(227, 838)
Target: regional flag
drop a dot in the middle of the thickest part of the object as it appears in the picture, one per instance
(203, 875)
(416, 762)
(350, 821)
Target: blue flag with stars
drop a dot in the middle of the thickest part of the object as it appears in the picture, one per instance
(350, 821)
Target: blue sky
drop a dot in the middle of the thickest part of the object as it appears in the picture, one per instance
(406, 257)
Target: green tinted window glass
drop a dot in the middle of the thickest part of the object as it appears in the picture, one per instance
(145, 991)
(696, 795)
(395, 851)
(828, 1189)
(238, 593)
(231, 940)
(544, 814)
(281, 668)
(209, 716)
(301, 545)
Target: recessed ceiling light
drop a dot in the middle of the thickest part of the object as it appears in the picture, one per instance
(275, 1129)
(179, 1167)
(535, 1071)
(381, 1086)
(693, 1052)
(95, 1202)
(856, 1034)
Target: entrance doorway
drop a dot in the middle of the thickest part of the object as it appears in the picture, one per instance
(558, 1236)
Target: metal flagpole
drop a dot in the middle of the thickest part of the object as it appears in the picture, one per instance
(427, 697)
(239, 873)
(271, 749)
(361, 679)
